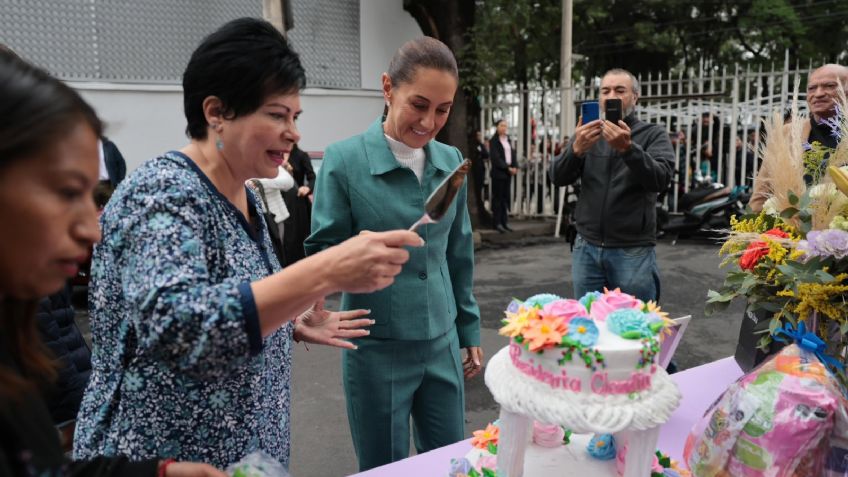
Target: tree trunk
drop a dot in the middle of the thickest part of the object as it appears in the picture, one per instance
(450, 21)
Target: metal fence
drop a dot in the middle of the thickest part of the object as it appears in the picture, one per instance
(714, 121)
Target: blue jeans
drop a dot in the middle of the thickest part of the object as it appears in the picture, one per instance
(633, 269)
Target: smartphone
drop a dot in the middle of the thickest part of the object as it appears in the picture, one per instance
(590, 111)
(612, 110)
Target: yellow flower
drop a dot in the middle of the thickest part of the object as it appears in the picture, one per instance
(796, 254)
(518, 322)
(822, 298)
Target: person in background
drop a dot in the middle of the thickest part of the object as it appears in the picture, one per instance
(299, 205)
(271, 192)
(113, 169)
(504, 168)
(479, 158)
(57, 328)
(621, 167)
(823, 87)
(378, 180)
(192, 318)
(48, 171)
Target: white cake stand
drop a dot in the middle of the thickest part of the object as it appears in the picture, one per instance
(633, 422)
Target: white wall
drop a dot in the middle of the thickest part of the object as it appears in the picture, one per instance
(332, 115)
(145, 121)
(384, 27)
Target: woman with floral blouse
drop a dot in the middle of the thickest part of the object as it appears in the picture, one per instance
(192, 319)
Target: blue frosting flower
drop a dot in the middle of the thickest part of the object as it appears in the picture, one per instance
(583, 331)
(587, 299)
(670, 473)
(541, 299)
(460, 466)
(602, 447)
(513, 306)
(629, 323)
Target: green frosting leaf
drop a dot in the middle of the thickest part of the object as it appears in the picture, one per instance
(632, 335)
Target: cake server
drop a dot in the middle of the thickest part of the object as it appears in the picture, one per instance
(439, 201)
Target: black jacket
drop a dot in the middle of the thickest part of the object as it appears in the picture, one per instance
(297, 226)
(116, 166)
(500, 170)
(618, 193)
(55, 318)
(29, 444)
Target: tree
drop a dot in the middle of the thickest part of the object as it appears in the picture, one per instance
(648, 36)
(450, 22)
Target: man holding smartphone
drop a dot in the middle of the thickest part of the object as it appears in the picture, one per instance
(622, 164)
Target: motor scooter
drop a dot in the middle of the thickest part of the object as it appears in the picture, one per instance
(705, 209)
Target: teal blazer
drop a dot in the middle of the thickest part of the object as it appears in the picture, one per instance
(361, 186)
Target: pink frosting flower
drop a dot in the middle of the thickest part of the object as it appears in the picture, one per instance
(489, 462)
(565, 309)
(547, 435)
(656, 467)
(613, 300)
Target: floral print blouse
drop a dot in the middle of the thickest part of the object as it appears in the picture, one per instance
(179, 365)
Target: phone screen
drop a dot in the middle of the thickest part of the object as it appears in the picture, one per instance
(612, 110)
(590, 111)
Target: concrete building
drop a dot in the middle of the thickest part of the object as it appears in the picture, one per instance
(126, 57)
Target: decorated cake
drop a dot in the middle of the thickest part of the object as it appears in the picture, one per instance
(553, 449)
(587, 365)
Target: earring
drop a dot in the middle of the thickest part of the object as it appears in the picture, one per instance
(219, 144)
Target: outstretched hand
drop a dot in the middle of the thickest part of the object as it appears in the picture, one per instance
(331, 328)
(370, 261)
(192, 469)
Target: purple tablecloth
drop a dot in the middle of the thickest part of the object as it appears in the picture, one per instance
(700, 387)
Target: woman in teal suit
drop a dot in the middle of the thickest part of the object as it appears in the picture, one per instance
(379, 180)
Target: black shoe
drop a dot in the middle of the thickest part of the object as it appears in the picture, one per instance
(508, 228)
(500, 229)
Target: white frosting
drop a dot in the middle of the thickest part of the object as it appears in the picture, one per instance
(581, 412)
(620, 375)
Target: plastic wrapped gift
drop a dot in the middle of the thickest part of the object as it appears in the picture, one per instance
(257, 464)
(786, 418)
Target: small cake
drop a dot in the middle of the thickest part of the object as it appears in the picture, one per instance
(587, 365)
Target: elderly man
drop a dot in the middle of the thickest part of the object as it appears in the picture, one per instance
(822, 96)
(621, 168)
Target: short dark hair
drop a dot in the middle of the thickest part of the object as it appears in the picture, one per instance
(241, 63)
(37, 109)
(423, 52)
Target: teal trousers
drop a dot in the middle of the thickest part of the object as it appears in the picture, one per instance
(387, 381)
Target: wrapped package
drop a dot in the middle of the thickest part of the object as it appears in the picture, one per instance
(783, 419)
(257, 464)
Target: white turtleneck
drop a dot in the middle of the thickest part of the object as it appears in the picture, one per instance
(413, 159)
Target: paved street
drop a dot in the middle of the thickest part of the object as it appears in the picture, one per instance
(321, 440)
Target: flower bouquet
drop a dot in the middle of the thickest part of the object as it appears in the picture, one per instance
(791, 260)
